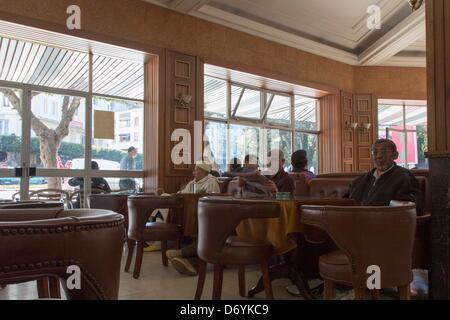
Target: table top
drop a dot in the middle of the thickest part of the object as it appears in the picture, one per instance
(279, 231)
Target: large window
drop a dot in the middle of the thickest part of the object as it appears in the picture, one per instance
(405, 122)
(52, 94)
(243, 120)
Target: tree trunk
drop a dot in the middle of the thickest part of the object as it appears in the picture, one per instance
(48, 147)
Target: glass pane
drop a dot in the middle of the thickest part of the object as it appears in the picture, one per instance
(216, 142)
(57, 131)
(280, 109)
(9, 188)
(390, 116)
(399, 139)
(249, 105)
(280, 139)
(215, 98)
(37, 64)
(245, 140)
(128, 132)
(38, 186)
(117, 77)
(309, 143)
(125, 184)
(421, 143)
(306, 113)
(416, 116)
(10, 127)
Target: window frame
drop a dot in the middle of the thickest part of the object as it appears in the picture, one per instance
(404, 125)
(87, 173)
(263, 122)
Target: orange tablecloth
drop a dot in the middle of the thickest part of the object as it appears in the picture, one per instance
(279, 231)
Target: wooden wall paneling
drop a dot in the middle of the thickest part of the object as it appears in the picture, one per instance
(438, 70)
(331, 138)
(363, 113)
(348, 143)
(154, 102)
(181, 79)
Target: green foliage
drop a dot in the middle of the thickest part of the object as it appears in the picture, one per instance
(10, 143)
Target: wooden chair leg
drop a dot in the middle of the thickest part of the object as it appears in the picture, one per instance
(328, 289)
(404, 293)
(266, 280)
(360, 293)
(163, 252)
(130, 244)
(217, 285)
(241, 280)
(201, 279)
(55, 291)
(138, 260)
(43, 289)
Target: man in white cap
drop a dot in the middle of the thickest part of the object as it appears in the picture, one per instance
(203, 181)
(185, 260)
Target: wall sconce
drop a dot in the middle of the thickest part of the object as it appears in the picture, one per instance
(184, 99)
(351, 126)
(365, 127)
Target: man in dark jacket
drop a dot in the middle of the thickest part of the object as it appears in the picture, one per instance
(387, 181)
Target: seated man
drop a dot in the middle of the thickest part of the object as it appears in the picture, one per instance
(387, 181)
(299, 161)
(281, 178)
(203, 181)
(185, 260)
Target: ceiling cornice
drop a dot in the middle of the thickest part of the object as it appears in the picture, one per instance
(398, 38)
(382, 52)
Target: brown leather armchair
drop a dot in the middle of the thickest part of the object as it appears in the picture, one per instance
(117, 203)
(218, 217)
(330, 187)
(39, 243)
(381, 236)
(141, 230)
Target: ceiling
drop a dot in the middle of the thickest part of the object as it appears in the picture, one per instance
(333, 29)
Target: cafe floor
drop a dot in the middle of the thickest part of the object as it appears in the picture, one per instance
(157, 283)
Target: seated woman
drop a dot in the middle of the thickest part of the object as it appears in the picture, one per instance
(96, 183)
(299, 163)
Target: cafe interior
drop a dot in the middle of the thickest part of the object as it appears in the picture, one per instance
(236, 149)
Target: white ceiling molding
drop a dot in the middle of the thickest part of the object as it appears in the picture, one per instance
(406, 37)
(399, 61)
(398, 38)
(187, 6)
(261, 30)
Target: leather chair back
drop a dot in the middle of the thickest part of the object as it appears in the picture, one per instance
(141, 207)
(114, 202)
(381, 236)
(35, 243)
(329, 187)
(219, 216)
